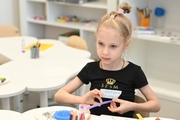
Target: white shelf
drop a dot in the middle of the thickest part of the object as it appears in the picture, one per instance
(43, 1)
(100, 4)
(71, 25)
(155, 38)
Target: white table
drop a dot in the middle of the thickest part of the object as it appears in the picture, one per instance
(107, 117)
(52, 70)
(34, 114)
(12, 89)
(37, 114)
(10, 115)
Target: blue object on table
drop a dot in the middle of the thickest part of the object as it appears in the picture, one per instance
(159, 12)
(62, 115)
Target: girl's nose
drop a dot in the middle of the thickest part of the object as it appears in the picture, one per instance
(105, 50)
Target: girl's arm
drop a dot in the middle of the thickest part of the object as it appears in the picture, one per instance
(64, 95)
(152, 104)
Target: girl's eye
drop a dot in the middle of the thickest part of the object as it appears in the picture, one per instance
(113, 46)
(100, 43)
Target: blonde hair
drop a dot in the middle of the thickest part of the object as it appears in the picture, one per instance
(119, 21)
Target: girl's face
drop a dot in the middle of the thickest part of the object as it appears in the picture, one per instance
(110, 45)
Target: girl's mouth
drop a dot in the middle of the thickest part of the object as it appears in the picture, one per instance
(106, 58)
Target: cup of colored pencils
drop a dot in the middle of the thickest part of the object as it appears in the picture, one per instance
(34, 50)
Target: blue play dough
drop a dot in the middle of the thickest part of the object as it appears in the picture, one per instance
(62, 115)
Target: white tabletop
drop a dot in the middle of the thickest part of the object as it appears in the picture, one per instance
(37, 113)
(11, 88)
(63, 51)
(154, 118)
(52, 70)
(39, 74)
(11, 46)
(107, 117)
(10, 115)
(54, 67)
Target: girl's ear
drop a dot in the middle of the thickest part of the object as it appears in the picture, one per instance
(127, 44)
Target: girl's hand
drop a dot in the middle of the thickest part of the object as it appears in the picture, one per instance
(89, 97)
(125, 106)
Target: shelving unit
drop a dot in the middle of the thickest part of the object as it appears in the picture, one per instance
(51, 10)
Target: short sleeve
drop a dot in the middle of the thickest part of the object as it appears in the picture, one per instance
(83, 75)
(141, 80)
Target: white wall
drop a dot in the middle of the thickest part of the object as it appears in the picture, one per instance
(172, 8)
(9, 12)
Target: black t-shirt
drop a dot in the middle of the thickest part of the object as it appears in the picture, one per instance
(126, 80)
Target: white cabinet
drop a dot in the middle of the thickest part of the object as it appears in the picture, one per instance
(51, 10)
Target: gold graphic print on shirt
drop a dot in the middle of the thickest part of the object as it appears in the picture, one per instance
(110, 83)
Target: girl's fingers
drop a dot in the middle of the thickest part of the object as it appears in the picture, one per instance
(95, 102)
(112, 109)
(114, 105)
(116, 100)
(111, 105)
(99, 98)
(95, 94)
(96, 91)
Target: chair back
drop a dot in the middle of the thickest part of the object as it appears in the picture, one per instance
(77, 42)
(139, 99)
(8, 31)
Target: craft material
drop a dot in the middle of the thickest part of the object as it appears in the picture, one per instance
(23, 46)
(98, 104)
(139, 116)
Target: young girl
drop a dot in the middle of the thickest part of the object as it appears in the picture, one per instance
(112, 75)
